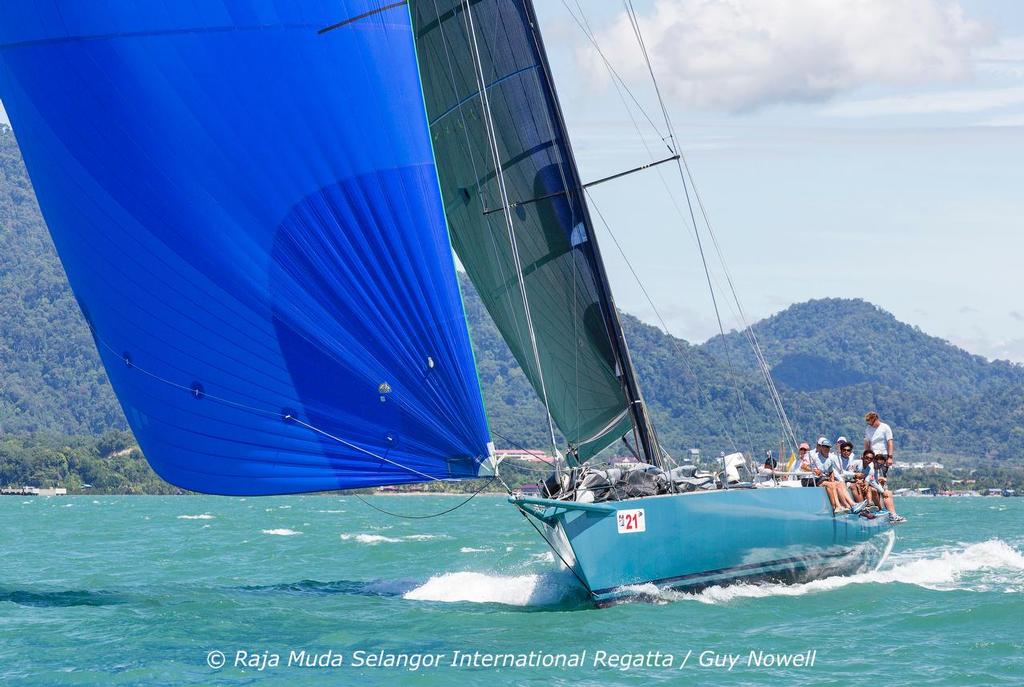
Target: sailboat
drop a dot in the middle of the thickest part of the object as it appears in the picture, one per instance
(256, 205)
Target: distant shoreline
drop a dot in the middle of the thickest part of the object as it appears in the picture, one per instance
(262, 496)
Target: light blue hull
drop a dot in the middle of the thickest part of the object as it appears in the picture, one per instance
(690, 541)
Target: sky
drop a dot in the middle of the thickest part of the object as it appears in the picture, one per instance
(843, 148)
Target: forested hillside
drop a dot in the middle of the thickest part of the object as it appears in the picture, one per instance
(833, 360)
(50, 374)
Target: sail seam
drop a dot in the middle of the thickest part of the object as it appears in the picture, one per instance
(475, 94)
(493, 141)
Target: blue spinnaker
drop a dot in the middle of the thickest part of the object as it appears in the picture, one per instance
(249, 215)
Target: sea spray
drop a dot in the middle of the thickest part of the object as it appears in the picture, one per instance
(923, 568)
(544, 589)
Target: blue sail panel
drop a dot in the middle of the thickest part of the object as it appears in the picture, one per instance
(249, 215)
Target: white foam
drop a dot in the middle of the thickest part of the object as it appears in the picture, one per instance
(381, 539)
(330, 511)
(371, 539)
(544, 558)
(470, 549)
(281, 532)
(203, 516)
(984, 563)
(520, 590)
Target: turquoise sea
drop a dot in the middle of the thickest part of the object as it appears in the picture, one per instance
(145, 590)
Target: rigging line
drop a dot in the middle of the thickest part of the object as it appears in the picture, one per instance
(683, 356)
(615, 75)
(352, 446)
(564, 159)
(669, 192)
(714, 302)
(748, 329)
(472, 158)
(500, 176)
(259, 411)
(650, 70)
(749, 333)
(406, 516)
(634, 21)
(523, 512)
(627, 379)
(515, 444)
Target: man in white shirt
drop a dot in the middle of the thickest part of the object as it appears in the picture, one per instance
(878, 438)
(828, 470)
(853, 463)
(879, 493)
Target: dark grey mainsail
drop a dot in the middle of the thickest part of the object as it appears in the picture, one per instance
(517, 215)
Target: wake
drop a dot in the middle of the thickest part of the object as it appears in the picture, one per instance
(992, 565)
(555, 588)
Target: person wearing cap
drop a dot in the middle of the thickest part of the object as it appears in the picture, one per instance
(882, 496)
(839, 466)
(815, 460)
(878, 438)
(824, 467)
(797, 465)
(835, 471)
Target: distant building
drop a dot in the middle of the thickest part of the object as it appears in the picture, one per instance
(33, 491)
(524, 456)
(918, 466)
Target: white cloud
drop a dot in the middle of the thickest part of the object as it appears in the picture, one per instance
(743, 54)
(926, 103)
(1005, 58)
(1014, 120)
(993, 349)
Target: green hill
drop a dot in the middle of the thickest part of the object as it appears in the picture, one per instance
(51, 379)
(833, 359)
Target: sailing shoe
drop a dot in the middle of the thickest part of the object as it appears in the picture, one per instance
(897, 519)
(842, 511)
(859, 506)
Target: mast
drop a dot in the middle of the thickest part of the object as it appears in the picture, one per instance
(650, 450)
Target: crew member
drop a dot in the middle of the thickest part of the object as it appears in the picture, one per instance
(878, 438)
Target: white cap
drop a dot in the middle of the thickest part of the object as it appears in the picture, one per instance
(822, 441)
(841, 440)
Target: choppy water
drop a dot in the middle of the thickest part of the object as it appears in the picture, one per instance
(139, 590)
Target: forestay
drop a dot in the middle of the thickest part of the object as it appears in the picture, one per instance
(249, 216)
(492, 43)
